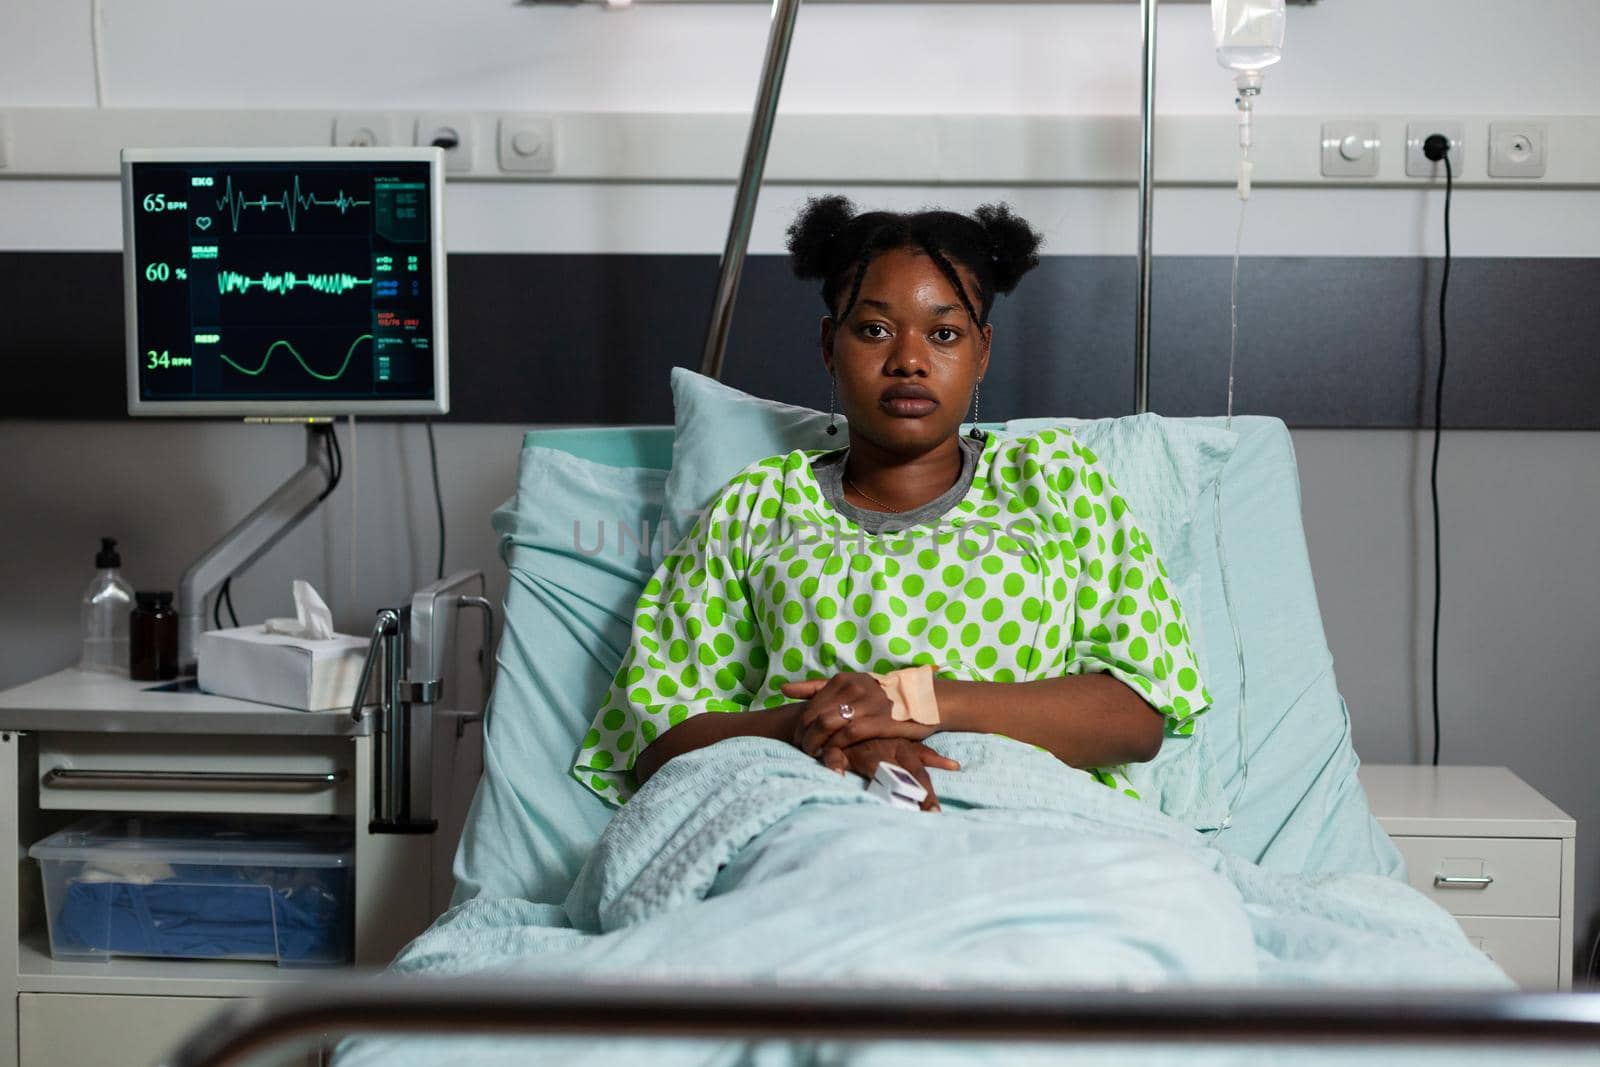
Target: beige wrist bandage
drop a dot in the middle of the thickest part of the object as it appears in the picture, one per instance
(910, 693)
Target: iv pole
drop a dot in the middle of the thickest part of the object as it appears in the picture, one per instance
(1147, 148)
(744, 205)
(755, 161)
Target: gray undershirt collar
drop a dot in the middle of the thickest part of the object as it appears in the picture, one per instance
(828, 469)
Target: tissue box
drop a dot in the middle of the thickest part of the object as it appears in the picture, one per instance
(295, 672)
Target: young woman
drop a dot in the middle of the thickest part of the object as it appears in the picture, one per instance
(817, 583)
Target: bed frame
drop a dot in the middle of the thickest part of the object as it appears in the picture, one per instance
(304, 1016)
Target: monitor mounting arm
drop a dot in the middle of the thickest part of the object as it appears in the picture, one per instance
(255, 533)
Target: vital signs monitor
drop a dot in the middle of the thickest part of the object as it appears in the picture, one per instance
(288, 282)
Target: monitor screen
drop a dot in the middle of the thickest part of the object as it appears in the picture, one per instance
(285, 282)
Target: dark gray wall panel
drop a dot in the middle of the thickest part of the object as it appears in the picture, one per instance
(589, 338)
(61, 335)
(1354, 342)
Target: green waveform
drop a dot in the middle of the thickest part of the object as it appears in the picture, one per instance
(292, 202)
(267, 358)
(334, 284)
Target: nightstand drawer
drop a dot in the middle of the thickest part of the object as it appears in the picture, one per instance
(1529, 950)
(140, 772)
(1486, 875)
(103, 1031)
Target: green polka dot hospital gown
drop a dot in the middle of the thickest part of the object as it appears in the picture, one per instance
(1036, 570)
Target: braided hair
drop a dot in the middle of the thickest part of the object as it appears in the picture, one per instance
(829, 241)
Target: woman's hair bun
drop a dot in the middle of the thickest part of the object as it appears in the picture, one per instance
(1013, 245)
(812, 235)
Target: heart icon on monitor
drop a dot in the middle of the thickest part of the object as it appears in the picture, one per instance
(203, 222)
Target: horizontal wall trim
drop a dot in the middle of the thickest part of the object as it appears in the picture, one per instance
(1325, 341)
(620, 218)
(842, 149)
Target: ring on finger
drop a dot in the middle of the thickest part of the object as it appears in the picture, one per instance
(846, 712)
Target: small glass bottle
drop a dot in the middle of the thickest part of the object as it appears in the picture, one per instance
(153, 637)
(104, 614)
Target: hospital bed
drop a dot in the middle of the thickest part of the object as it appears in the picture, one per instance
(1267, 790)
(1290, 799)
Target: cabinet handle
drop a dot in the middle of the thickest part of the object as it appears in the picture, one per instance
(97, 778)
(1450, 881)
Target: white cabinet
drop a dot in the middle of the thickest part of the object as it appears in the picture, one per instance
(68, 1028)
(73, 743)
(1492, 851)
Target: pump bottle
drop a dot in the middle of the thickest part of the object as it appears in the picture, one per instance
(105, 608)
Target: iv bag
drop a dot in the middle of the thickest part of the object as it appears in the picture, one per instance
(1249, 33)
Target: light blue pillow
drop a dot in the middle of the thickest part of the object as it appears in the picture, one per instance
(585, 501)
(1162, 466)
(1301, 807)
(719, 430)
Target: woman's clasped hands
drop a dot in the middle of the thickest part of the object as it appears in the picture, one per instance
(847, 723)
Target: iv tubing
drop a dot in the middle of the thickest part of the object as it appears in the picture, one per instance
(1216, 512)
(1248, 83)
(1233, 308)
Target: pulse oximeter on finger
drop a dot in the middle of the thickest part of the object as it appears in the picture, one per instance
(894, 784)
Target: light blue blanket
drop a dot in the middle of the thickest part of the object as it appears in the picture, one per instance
(748, 861)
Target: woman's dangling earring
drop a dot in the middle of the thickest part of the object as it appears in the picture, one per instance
(833, 422)
(975, 433)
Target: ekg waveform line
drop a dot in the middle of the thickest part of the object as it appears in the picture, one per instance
(292, 202)
(267, 358)
(282, 284)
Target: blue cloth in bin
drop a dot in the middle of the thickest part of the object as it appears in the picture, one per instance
(209, 912)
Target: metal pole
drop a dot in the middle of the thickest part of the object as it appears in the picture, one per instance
(755, 162)
(1147, 148)
(397, 714)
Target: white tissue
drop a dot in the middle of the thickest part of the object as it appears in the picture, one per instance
(313, 621)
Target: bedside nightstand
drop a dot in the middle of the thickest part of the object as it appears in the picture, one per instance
(1492, 851)
(169, 749)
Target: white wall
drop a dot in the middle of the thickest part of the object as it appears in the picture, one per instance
(1520, 508)
(1349, 56)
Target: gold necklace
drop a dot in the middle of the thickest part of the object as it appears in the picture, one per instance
(862, 492)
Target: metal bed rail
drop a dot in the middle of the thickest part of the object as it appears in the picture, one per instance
(566, 1007)
(407, 660)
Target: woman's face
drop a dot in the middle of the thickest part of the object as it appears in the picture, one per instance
(908, 356)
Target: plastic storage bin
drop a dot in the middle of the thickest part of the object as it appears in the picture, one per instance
(196, 889)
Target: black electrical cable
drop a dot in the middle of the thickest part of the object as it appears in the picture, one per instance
(1437, 148)
(335, 461)
(438, 497)
(224, 596)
